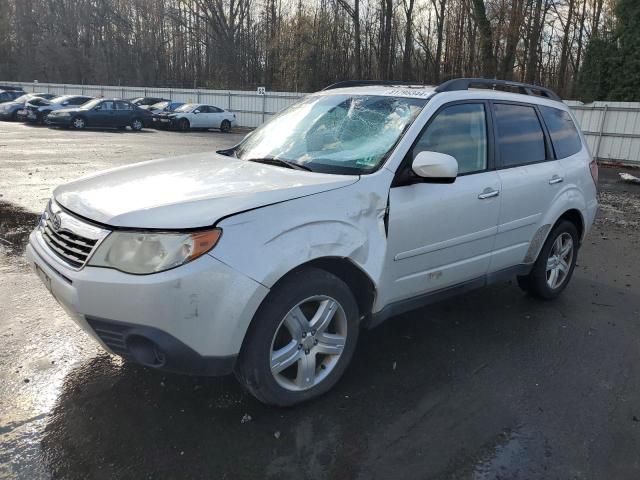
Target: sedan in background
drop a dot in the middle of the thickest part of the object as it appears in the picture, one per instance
(101, 113)
(198, 116)
(9, 110)
(146, 102)
(39, 113)
(10, 95)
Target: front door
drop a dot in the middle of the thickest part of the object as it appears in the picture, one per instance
(443, 234)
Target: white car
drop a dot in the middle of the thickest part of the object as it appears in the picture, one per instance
(350, 207)
(199, 116)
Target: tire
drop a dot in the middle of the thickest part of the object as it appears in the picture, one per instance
(301, 296)
(553, 269)
(183, 125)
(225, 126)
(137, 124)
(78, 123)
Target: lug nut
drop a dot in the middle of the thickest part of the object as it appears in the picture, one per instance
(299, 346)
(306, 351)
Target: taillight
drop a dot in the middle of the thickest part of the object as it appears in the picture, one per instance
(593, 166)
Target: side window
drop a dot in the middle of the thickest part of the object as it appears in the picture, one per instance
(564, 135)
(215, 110)
(123, 106)
(520, 136)
(459, 131)
(107, 106)
(77, 101)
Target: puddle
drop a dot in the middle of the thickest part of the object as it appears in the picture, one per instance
(16, 224)
(516, 455)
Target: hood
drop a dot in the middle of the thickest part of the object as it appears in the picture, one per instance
(187, 192)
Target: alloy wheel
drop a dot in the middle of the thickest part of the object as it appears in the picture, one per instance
(559, 261)
(78, 123)
(308, 343)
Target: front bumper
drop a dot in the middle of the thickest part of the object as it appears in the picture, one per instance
(191, 319)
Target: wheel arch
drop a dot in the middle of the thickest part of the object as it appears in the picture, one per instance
(358, 281)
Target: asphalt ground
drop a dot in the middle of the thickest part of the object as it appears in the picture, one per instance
(490, 385)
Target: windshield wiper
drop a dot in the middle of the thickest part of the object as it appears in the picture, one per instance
(281, 162)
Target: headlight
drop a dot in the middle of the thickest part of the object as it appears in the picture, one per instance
(150, 252)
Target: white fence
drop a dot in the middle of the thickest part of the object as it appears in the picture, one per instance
(612, 128)
(250, 108)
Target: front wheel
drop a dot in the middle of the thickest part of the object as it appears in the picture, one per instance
(183, 125)
(225, 126)
(555, 264)
(301, 339)
(78, 123)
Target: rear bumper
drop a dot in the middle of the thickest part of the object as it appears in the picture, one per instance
(194, 316)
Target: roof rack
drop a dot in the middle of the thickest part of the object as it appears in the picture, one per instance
(523, 88)
(364, 83)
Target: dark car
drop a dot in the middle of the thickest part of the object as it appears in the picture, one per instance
(160, 111)
(147, 101)
(9, 110)
(10, 95)
(101, 113)
(39, 111)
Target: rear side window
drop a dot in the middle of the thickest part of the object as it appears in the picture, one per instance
(520, 137)
(564, 135)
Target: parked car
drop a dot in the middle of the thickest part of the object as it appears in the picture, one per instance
(145, 102)
(354, 205)
(196, 115)
(11, 87)
(9, 95)
(39, 113)
(100, 113)
(159, 111)
(9, 110)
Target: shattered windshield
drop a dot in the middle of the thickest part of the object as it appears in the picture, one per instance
(334, 133)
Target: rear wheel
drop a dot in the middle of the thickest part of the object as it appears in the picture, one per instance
(555, 264)
(78, 123)
(136, 125)
(301, 340)
(225, 126)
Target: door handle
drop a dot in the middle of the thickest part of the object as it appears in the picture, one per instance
(488, 193)
(555, 179)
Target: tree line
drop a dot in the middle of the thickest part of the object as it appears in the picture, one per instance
(575, 46)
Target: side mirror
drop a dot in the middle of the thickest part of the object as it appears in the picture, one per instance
(435, 167)
(98, 108)
(65, 103)
(196, 111)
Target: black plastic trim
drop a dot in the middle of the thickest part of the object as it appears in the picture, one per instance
(524, 88)
(176, 356)
(413, 303)
(365, 83)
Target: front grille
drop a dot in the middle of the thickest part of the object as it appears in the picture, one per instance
(72, 248)
(68, 237)
(112, 334)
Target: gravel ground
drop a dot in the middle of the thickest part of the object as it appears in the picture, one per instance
(490, 385)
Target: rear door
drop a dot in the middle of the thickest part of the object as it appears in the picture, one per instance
(124, 113)
(531, 179)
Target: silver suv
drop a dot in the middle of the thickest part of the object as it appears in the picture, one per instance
(356, 204)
